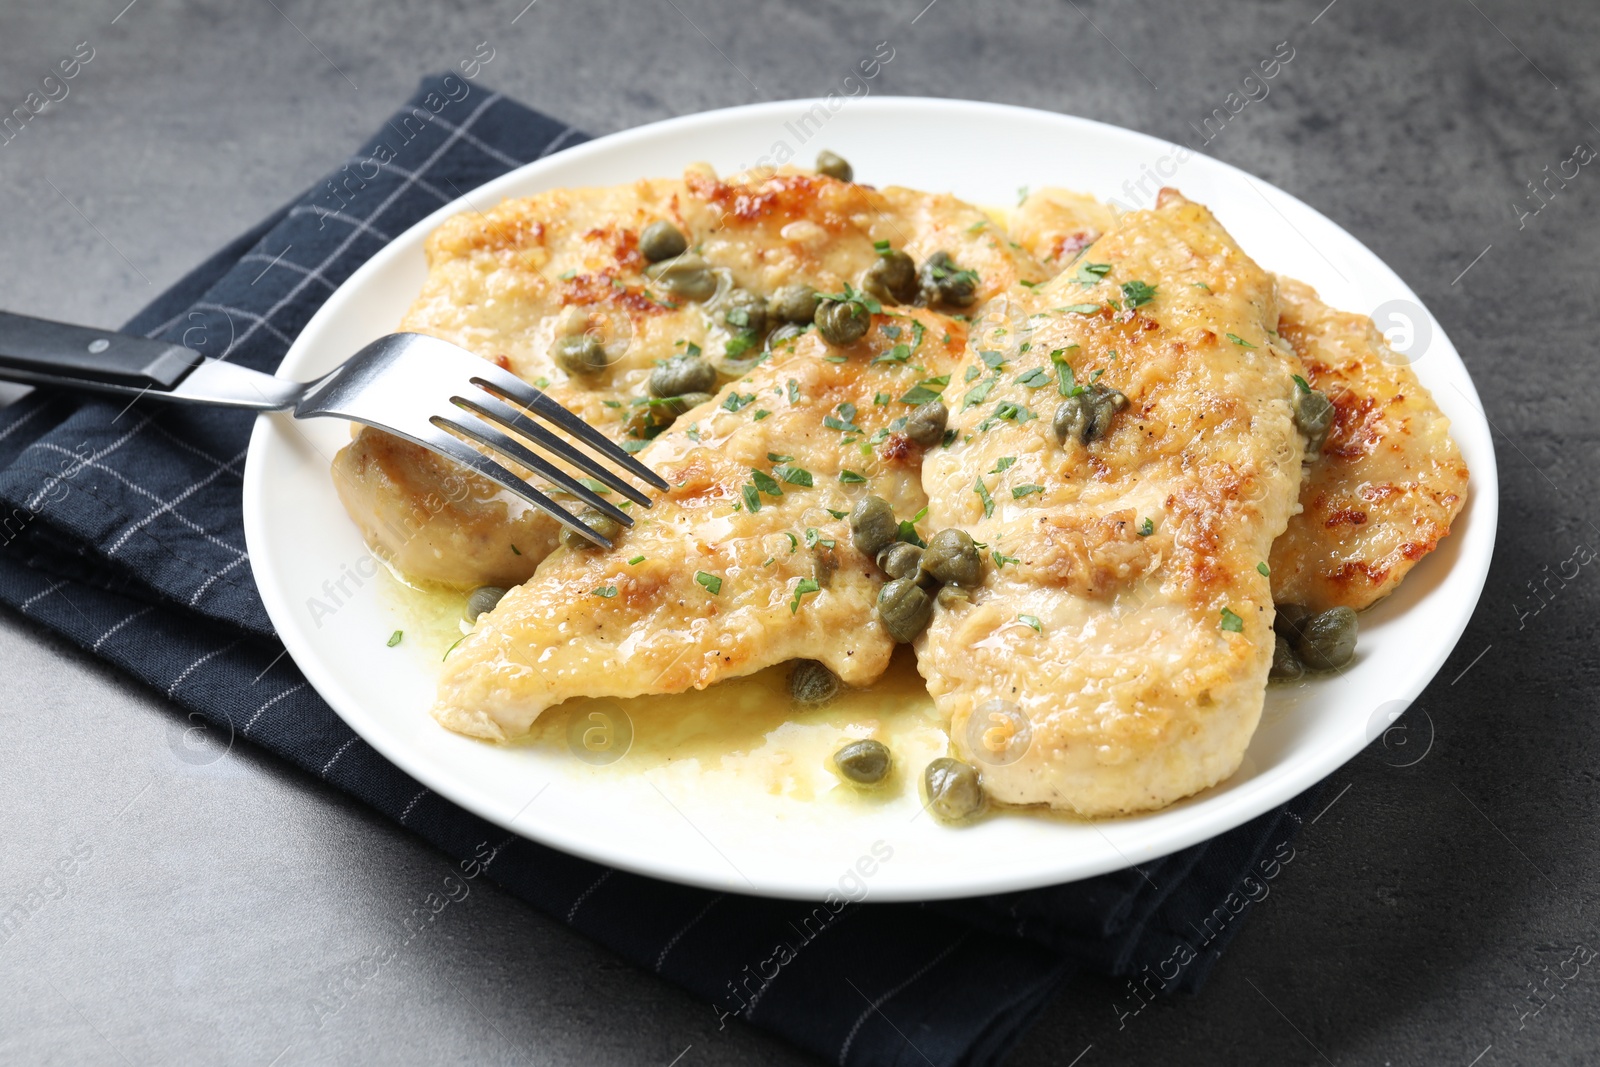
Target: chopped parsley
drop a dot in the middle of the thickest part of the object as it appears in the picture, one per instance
(1146, 528)
(1000, 559)
(898, 354)
(881, 247)
(1089, 273)
(606, 591)
(594, 486)
(736, 401)
(778, 457)
(1081, 309)
(794, 391)
(837, 514)
(515, 551)
(627, 446)
(1007, 411)
(979, 393)
(766, 483)
(1034, 378)
(852, 295)
(983, 495)
(1302, 384)
(1003, 464)
(880, 399)
(919, 394)
(760, 414)
(1025, 490)
(1240, 341)
(794, 542)
(712, 583)
(1231, 622)
(635, 561)
(976, 226)
(567, 275)
(692, 350)
(1264, 570)
(1033, 621)
(850, 477)
(890, 330)
(394, 638)
(813, 538)
(1137, 293)
(991, 359)
(793, 475)
(752, 499)
(807, 585)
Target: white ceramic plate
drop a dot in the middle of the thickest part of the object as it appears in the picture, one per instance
(299, 537)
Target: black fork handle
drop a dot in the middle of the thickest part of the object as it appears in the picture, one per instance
(39, 348)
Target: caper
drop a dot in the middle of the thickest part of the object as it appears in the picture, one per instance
(811, 682)
(746, 311)
(662, 240)
(863, 762)
(602, 524)
(954, 791)
(1289, 619)
(892, 279)
(905, 608)
(873, 525)
(952, 596)
(793, 303)
(952, 559)
(1328, 639)
(899, 560)
(842, 322)
(687, 276)
(925, 425)
(942, 282)
(683, 374)
(834, 166)
(579, 354)
(1286, 666)
(480, 600)
(1313, 413)
(1087, 415)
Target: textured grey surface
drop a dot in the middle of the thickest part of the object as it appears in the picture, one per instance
(1426, 915)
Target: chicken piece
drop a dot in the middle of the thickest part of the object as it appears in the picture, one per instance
(1389, 480)
(1118, 644)
(508, 282)
(745, 562)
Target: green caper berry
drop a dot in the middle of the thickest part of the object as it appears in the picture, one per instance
(952, 558)
(579, 354)
(480, 600)
(1313, 414)
(892, 279)
(746, 311)
(662, 240)
(954, 790)
(873, 526)
(834, 166)
(1087, 416)
(952, 596)
(905, 608)
(811, 682)
(863, 762)
(899, 560)
(925, 425)
(683, 374)
(1288, 620)
(943, 282)
(1286, 666)
(842, 322)
(602, 524)
(1328, 639)
(685, 276)
(793, 303)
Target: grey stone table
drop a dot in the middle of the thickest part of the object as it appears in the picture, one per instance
(1429, 910)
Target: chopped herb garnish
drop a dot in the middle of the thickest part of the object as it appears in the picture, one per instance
(628, 446)
(991, 359)
(515, 551)
(712, 583)
(1021, 491)
(1066, 383)
(891, 331)
(880, 399)
(594, 486)
(693, 432)
(607, 591)
(692, 350)
(1028, 284)
(1000, 559)
(766, 483)
(881, 247)
(793, 475)
(794, 542)
(972, 372)
(542, 382)
(976, 226)
(1231, 622)
(1304, 385)
(919, 394)
(1007, 411)
(1138, 293)
(898, 354)
(1264, 570)
(794, 391)
(807, 585)
(813, 538)
(836, 359)
(752, 499)
(567, 275)
(1146, 528)
(979, 393)
(760, 414)
(983, 495)
(1240, 341)
(837, 514)
(1089, 273)
(1003, 464)
(394, 638)
(1081, 309)
(735, 401)
(635, 561)
(452, 648)
(778, 457)
(612, 403)
(1034, 378)
(852, 295)
(1033, 621)
(744, 342)
(1201, 285)
(850, 477)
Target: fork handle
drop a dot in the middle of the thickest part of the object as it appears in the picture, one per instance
(36, 350)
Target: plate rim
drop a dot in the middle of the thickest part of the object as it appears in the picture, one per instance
(1224, 811)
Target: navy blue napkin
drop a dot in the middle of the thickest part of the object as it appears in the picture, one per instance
(120, 529)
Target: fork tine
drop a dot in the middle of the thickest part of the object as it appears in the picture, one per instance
(486, 434)
(492, 408)
(432, 437)
(521, 393)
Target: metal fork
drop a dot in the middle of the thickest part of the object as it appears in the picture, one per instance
(409, 384)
